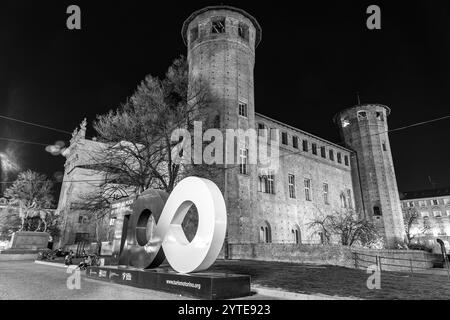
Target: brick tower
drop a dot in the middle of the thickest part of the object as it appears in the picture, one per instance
(364, 129)
(221, 42)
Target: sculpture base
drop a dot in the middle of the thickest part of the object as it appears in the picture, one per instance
(210, 286)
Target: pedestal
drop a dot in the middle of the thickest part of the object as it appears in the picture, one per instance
(205, 285)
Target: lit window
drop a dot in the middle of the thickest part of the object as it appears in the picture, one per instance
(437, 214)
(284, 138)
(291, 182)
(349, 197)
(307, 183)
(424, 214)
(243, 156)
(243, 109)
(218, 25)
(380, 116)
(435, 202)
(325, 193)
(343, 201)
(422, 203)
(266, 183)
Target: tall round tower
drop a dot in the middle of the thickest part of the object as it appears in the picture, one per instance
(221, 42)
(364, 129)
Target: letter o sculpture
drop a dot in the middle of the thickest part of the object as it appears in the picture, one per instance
(182, 255)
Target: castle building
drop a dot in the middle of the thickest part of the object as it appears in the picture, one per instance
(315, 177)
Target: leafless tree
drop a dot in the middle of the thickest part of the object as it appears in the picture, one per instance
(411, 219)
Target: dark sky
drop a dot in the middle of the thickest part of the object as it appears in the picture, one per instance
(312, 60)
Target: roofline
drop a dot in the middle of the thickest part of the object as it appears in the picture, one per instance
(305, 133)
(222, 7)
(361, 105)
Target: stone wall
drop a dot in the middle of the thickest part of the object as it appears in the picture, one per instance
(391, 260)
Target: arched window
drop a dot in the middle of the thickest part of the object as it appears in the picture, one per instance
(343, 201)
(296, 235)
(265, 233)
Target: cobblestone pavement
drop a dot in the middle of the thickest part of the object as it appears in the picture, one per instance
(338, 281)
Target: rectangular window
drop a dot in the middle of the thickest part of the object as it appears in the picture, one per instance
(323, 152)
(243, 109)
(274, 134)
(291, 182)
(262, 130)
(194, 33)
(243, 31)
(448, 213)
(346, 160)
(331, 155)
(384, 146)
(446, 201)
(314, 149)
(243, 157)
(349, 198)
(218, 25)
(435, 202)
(339, 157)
(305, 145)
(284, 138)
(325, 193)
(80, 219)
(295, 142)
(422, 203)
(437, 214)
(424, 214)
(307, 189)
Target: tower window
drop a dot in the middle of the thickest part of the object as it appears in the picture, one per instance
(194, 33)
(380, 116)
(346, 160)
(323, 152)
(331, 155)
(243, 109)
(384, 146)
(339, 157)
(243, 31)
(305, 145)
(362, 115)
(376, 211)
(291, 183)
(295, 142)
(314, 148)
(218, 25)
(284, 138)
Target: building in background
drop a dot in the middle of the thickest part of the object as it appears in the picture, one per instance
(433, 208)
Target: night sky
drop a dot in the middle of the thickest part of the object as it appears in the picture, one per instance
(312, 60)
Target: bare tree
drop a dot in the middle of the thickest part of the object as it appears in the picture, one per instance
(347, 226)
(411, 219)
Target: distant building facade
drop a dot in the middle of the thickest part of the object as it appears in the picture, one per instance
(433, 208)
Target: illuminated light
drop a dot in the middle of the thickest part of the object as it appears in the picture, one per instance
(345, 123)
